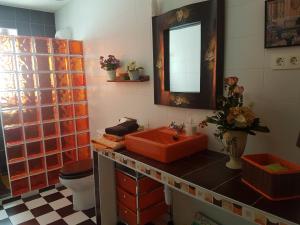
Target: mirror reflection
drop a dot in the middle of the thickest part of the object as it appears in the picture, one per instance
(185, 58)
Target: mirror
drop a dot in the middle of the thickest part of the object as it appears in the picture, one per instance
(185, 58)
(188, 54)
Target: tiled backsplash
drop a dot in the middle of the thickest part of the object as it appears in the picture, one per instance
(28, 22)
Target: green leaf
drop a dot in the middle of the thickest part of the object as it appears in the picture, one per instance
(251, 132)
(261, 129)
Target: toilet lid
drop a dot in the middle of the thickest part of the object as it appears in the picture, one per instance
(77, 169)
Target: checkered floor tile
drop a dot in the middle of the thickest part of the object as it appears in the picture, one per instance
(53, 206)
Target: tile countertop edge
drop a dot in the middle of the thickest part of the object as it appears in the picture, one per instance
(229, 205)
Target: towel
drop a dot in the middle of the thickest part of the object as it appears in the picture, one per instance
(114, 138)
(123, 128)
(103, 142)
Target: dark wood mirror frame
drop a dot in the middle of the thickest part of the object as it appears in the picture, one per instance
(211, 16)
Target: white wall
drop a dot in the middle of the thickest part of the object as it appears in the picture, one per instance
(123, 28)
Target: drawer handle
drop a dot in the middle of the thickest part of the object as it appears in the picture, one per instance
(125, 211)
(124, 196)
(124, 179)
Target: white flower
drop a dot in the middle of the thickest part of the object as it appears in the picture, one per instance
(240, 121)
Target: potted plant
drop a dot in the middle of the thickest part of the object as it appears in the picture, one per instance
(111, 64)
(234, 122)
(134, 71)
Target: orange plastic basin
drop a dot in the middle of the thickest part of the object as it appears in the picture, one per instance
(159, 144)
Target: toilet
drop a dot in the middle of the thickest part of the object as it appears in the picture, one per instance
(78, 177)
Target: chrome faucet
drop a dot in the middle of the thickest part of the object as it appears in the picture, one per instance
(178, 128)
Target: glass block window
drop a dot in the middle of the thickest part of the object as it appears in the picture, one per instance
(44, 109)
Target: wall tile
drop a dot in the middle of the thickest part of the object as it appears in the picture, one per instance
(244, 53)
(3, 167)
(252, 79)
(245, 57)
(1, 139)
(49, 18)
(283, 120)
(23, 28)
(37, 29)
(22, 15)
(285, 82)
(7, 13)
(50, 31)
(28, 22)
(1, 142)
(249, 24)
(37, 17)
(7, 23)
(231, 3)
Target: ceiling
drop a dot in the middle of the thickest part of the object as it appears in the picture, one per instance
(42, 5)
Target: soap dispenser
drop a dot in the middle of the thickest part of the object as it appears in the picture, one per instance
(190, 128)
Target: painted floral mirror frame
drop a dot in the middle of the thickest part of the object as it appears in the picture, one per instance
(211, 16)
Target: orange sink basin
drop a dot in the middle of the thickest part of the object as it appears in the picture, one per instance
(159, 144)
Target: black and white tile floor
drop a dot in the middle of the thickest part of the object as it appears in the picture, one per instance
(52, 207)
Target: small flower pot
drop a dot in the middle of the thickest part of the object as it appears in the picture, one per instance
(134, 75)
(111, 74)
(123, 76)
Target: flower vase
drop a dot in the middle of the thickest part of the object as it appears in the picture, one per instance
(111, 74)
(134, 75)
(235, 144)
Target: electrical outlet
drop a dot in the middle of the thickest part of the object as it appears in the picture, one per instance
(293, 62)
(285, 62)
(278, 62)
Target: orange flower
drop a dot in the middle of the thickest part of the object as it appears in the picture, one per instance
(239, 90)
(240, 116)
(231, 81)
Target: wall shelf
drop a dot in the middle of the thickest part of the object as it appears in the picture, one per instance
(143, 79)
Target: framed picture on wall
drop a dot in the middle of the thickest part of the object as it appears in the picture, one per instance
(282, 23)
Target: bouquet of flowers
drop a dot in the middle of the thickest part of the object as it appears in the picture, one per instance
(233, 115)
(109, 64)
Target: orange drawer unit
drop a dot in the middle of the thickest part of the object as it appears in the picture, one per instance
(140, 199)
